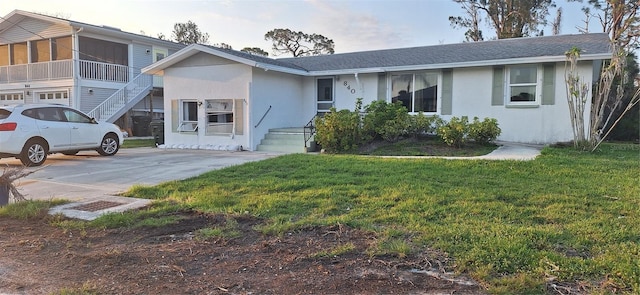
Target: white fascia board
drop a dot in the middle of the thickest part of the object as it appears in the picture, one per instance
(158, 68)
(484, 63)
(252, 63)
(270, 67)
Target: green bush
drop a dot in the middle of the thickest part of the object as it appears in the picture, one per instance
(339, 131)
(393, 130)
(379, 113)
(485, 131)
(454, 132)
(421, 124)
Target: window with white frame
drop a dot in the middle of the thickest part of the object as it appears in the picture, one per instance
(18, 96)
(220, 116)
(54, 95)
(188, 115)
(418, 92)
(522, 84)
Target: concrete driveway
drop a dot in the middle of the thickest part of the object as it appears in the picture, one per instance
(89, 176)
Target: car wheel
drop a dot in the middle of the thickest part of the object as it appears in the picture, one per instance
(34, 153)
(70, 153)
(109, 145)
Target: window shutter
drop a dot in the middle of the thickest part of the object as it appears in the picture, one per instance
(175, 113)
(447, 92)
(548, 85)
(382, 86)
(238, 116)
(497, 93)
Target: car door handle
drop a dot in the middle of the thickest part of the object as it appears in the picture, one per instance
(74, 127)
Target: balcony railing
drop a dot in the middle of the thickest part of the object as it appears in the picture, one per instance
(51, 70)
(101, 71)
(63, 69)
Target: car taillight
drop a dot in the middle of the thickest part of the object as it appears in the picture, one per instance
(11, 126)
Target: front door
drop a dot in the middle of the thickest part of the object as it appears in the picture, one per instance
(325, 95)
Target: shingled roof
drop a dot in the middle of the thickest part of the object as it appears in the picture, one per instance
(551, 46)
(496, 52)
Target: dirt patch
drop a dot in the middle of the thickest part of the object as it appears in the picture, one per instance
(37, 258)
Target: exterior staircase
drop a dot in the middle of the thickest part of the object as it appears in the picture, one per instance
(124, 99)
(286, 140)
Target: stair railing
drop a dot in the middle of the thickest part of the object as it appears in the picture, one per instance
(120, 98)
(309, 131)
(265, 114)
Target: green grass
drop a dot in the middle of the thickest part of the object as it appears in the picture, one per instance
(228, 231)
(567, 215)
(135, 143)
(29, 209)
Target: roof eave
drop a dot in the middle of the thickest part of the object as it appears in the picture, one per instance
(483, 63)
(158, 67)
(192, 49)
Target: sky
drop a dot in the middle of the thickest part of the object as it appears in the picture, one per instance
(353, 25)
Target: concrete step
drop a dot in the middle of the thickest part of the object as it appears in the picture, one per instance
(282, 141)
(292, 130)
(286, 140)
(281, 148)
(285, 136)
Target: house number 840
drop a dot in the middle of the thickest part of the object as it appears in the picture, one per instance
(346, 84)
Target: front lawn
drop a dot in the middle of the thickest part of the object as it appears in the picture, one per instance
(567, 220)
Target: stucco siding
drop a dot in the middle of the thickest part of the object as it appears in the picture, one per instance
(538, 124)
(348, 89)
(23, 32)
(202, 83)
(203, 59)
(283, 92)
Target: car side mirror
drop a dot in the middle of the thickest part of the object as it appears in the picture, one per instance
(93, 121)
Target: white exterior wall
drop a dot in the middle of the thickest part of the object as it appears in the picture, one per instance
(541, 125)
(228, 81)
(284, 93)
(365, 87)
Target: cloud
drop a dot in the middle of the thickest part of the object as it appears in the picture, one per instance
(353, 29)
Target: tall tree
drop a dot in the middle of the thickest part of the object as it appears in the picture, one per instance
(556, 22)
(298, 43)
(612, 99)
(255, 51)
(471, 21)
(509, 18)
(189, 33)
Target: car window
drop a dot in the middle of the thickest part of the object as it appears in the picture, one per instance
(50, 114)
(76, 117)
(4, 114)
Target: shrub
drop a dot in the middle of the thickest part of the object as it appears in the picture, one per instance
(393, 130)
(455, 132)
(421, 124)
(339, 131)
(485, 131)
(378, 114)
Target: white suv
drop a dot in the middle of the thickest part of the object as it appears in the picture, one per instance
(31, 132)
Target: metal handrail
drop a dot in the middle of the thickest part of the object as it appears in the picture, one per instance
(120, 98)
(311, 130)
(265, 114)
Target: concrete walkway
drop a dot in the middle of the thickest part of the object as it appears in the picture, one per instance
(505, 151)
(93, 182)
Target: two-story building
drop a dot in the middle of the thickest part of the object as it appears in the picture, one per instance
(96, 69)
